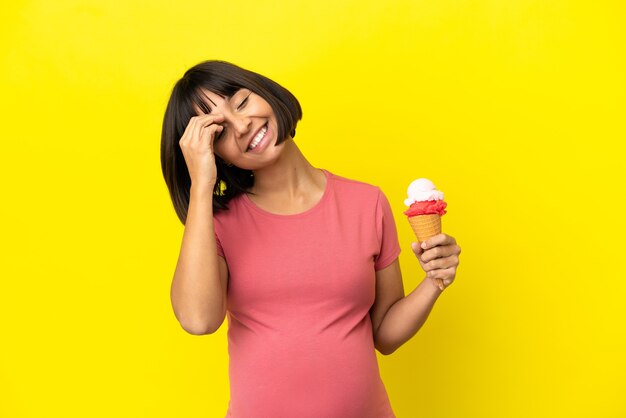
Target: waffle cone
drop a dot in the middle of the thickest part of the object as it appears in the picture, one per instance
(425, 226)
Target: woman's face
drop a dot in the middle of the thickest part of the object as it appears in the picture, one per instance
(250, 129)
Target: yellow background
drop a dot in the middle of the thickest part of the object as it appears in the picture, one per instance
(515, 109)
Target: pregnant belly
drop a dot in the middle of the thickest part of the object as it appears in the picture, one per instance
(307, 377)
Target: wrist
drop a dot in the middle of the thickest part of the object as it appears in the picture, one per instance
(433, 287)
(202, 189)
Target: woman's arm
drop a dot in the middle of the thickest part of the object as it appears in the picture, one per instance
(397, 318)
(198, 291)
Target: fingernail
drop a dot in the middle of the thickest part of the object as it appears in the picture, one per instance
(423, 245)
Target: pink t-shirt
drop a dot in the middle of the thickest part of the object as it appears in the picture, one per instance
(300, 289)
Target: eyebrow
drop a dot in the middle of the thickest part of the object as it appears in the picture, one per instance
(206, 109)
(228, 98)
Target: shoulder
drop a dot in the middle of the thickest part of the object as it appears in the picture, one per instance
(362, 197)
(355, 189)
(233, 211)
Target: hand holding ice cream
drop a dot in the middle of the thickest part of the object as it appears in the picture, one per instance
(426, 206)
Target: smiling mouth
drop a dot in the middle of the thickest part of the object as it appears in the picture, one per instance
(258, 138)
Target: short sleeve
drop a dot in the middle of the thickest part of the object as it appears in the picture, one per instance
(386, 232)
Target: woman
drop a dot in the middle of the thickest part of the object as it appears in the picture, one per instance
(303, 262)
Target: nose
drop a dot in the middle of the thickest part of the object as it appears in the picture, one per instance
(239, 123)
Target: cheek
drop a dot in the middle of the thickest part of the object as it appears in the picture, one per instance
(218, 148)
(226, 149)
(263, 106)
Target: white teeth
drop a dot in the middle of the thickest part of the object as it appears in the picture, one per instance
(258, 138)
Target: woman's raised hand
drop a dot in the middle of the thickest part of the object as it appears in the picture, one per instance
(197, 147)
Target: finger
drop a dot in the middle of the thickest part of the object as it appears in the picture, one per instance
(439, 239)
(194, 129)
(215, 131)
(208, 135)
(417, 250)
(442, 263)
(207, 118)
(200, 122)
(415, 246)
(443, 274)
(440, 251)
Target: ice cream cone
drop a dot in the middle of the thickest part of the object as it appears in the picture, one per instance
(424, 227)
(426, 207)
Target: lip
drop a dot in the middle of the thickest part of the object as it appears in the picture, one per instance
(263, 142)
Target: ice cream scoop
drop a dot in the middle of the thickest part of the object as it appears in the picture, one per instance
(422, 190)
(426, 207)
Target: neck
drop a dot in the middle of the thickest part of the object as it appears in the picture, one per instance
(289, 176)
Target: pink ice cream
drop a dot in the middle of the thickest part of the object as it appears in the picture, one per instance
(424, 199)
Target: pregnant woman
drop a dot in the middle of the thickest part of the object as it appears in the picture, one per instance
(303, 262)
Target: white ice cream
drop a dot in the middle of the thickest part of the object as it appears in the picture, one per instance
(420, 190)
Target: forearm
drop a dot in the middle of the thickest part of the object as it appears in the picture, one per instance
(406, 317)
(196, 292)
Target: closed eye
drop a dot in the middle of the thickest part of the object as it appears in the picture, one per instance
(243, 103)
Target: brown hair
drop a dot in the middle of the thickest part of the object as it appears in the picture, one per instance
(225, 79)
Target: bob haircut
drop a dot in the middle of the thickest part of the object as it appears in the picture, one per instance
(224, 79)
